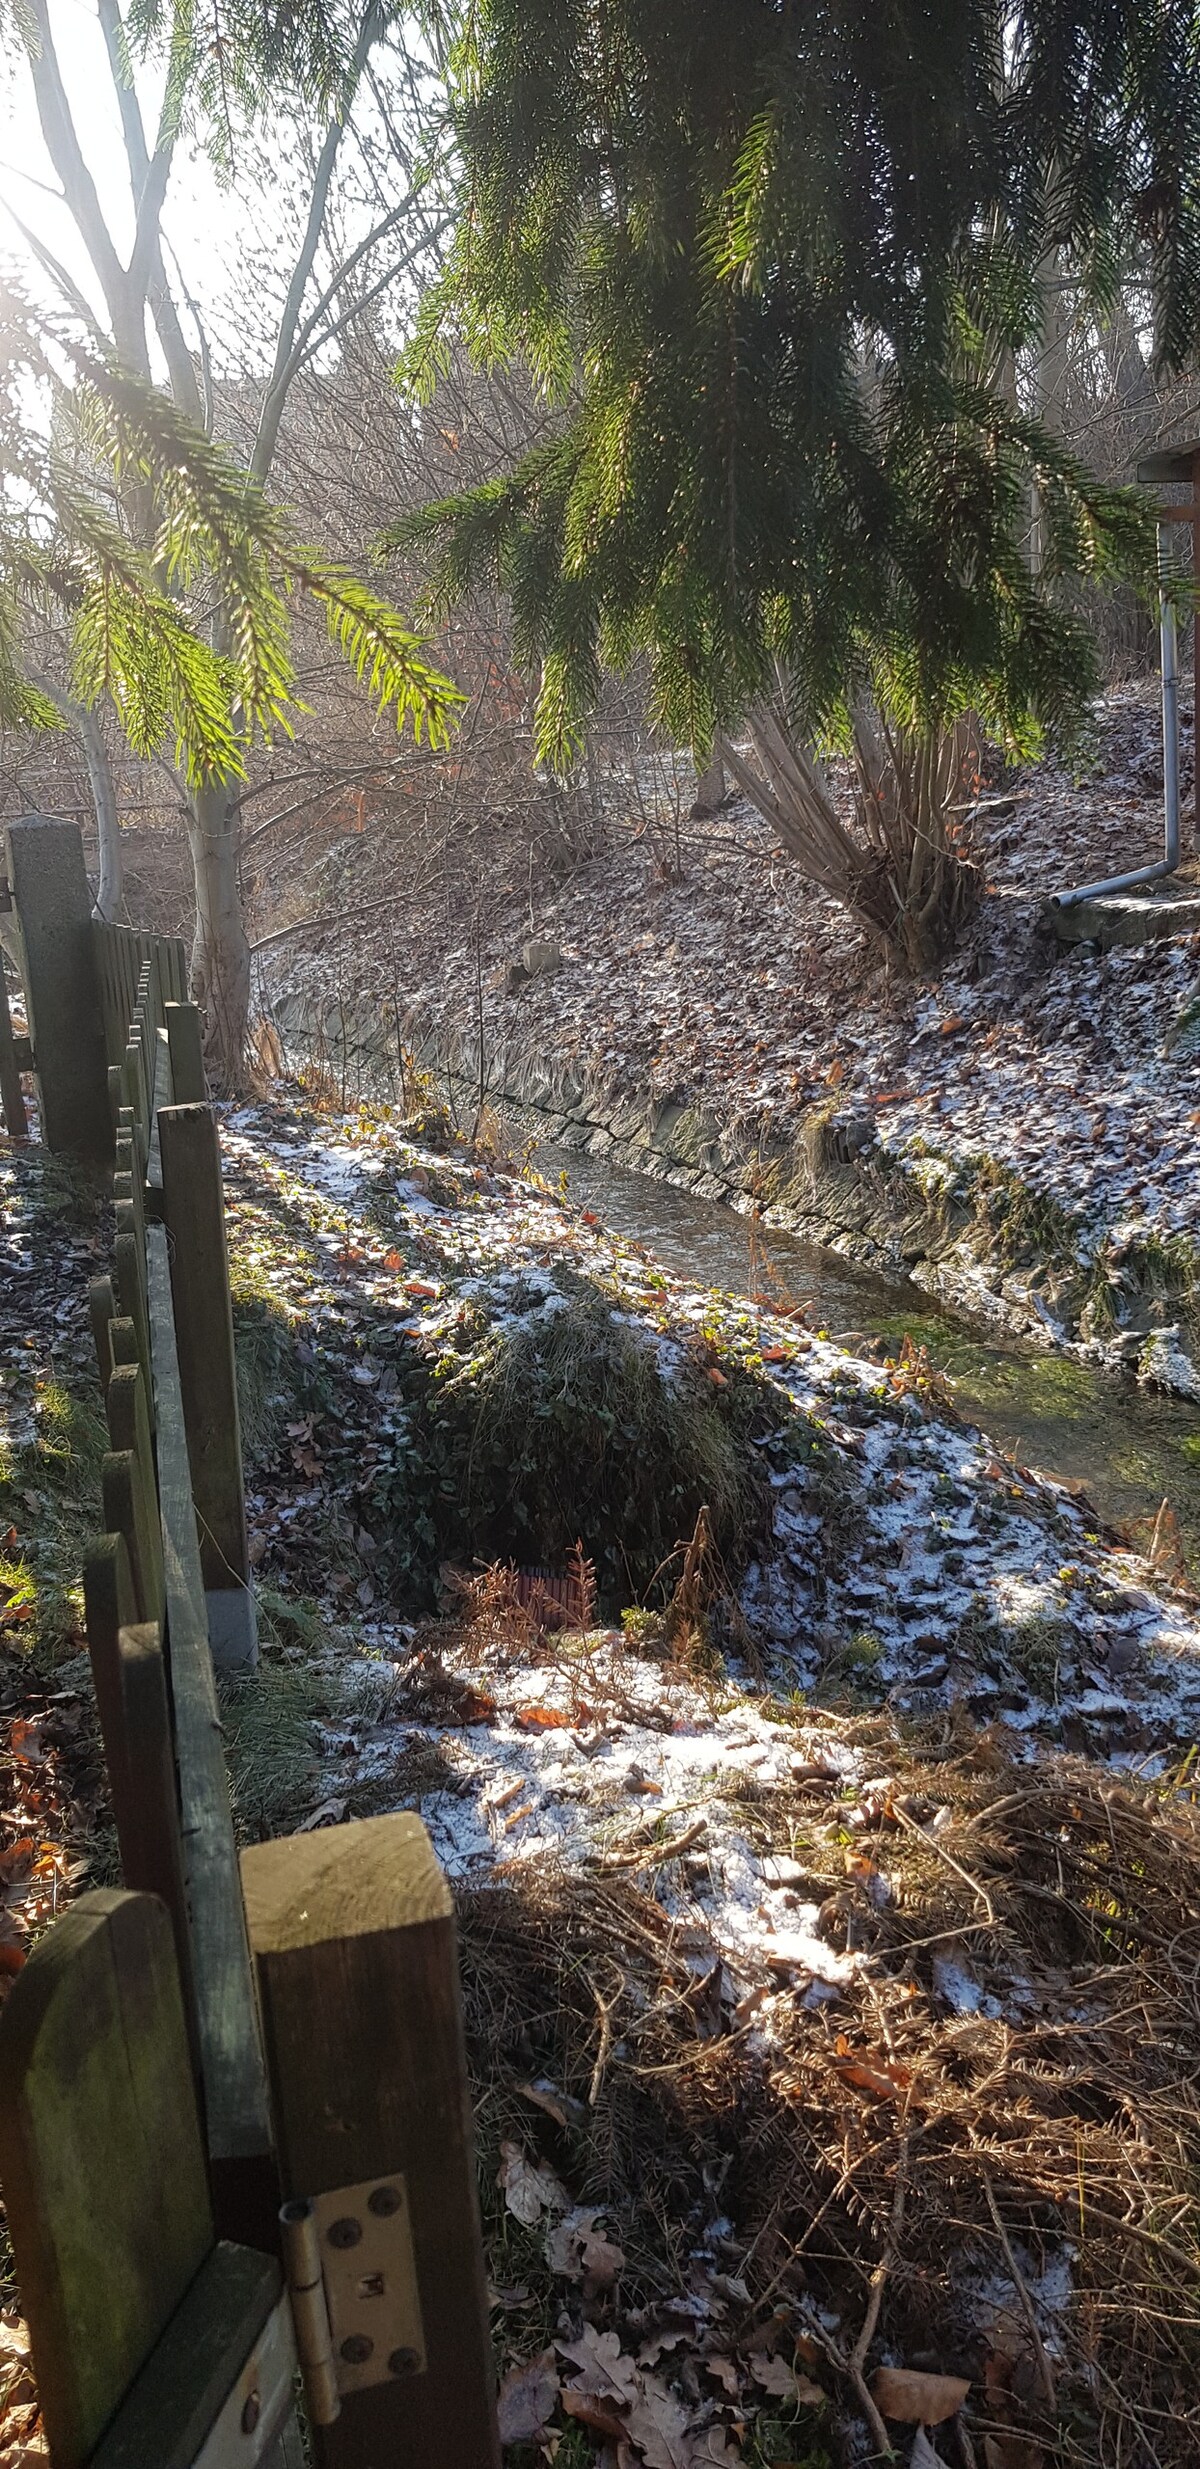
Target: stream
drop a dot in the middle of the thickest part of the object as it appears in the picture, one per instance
(1129, 1448)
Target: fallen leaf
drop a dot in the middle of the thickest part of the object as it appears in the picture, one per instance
(658, 2425)
(529, 2188)
(577, 2250)
(598, 2414)
(330, 1813)
(725, 2371)
(604, 2370)
(560, 2106)
(778, 2375)
(915, 2399)
(869, 2072)
(527, 2399)
(538, 1718)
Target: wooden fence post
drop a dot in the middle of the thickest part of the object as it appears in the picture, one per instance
(100, 2156)
(12, 1096)
(354, 1942)
(152, 2344)
(194, 1216)
(54, 914)
(235, 2091)
(186, 1050)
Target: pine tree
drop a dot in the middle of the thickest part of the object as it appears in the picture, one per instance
(769, 259)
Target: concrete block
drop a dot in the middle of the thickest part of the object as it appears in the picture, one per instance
(1129, 917)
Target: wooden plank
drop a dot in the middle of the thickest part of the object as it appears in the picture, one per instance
(130, 1264)
(187, 1054)
(101, 2157)
(355, 1951)
(148, 1825)
(54, 912)
(125, 1515)
(225, 2340)
(129, 1431)
(12, 1096)
(194, 1216)
(102, 1311)
(109, 1605)
(235, 2092)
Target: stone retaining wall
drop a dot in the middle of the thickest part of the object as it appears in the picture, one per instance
(973, 1236)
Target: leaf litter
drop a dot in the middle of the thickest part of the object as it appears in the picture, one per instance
(820, 1979)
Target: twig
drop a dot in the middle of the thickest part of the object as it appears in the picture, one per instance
(879, 2277)
(656, 1855)
(604, 2051)
(923, 1836)
(845, 2366)
(1044, 2367)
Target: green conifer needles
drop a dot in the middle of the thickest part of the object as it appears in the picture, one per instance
(769, 260)
(171, 570)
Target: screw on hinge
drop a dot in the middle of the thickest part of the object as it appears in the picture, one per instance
(404, 2362)
(385, 2201)
(343, 2233)
(357, 2349)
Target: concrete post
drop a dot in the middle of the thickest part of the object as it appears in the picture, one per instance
(54, 915)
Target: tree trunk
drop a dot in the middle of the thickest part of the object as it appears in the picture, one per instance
(220, 950)
(110, 891)
(710, 787)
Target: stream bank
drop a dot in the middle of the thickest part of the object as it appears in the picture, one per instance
(970, 1233)
(866, 1249)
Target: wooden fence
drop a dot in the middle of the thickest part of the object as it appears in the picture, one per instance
(234, 2121)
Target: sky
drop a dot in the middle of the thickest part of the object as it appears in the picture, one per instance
(200, 218)
(232, 238)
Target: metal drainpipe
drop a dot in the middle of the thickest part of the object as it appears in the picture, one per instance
(1170, 729)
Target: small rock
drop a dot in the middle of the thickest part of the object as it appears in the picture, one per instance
(777, 1870)
(540, 959)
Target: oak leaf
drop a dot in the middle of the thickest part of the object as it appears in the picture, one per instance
(915, 2399)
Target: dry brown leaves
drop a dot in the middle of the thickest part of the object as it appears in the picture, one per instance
(49, 1786)
(1027, 2019)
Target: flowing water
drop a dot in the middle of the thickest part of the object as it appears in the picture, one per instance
(1130, 1449)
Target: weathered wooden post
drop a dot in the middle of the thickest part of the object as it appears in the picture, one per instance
(353, 1937)
(54, 916)
(12, 1096)
(194, 1216)
(151, 2342)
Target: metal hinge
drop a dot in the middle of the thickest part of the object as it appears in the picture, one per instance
(352, 2278)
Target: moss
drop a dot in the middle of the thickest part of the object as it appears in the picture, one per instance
(558, 1423)
(1021, 1227)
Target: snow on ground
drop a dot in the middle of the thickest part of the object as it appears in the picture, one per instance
(907, 1562)
(740, 987)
